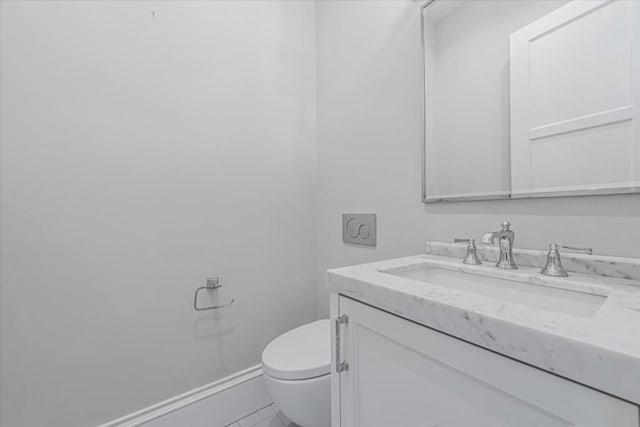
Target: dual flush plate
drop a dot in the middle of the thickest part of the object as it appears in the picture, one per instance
(359, 229)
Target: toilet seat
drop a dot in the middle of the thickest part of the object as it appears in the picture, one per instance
(302, 353)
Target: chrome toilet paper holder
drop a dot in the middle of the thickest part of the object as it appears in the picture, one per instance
(213, 283)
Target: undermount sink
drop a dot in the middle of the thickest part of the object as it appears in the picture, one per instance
(546, 297)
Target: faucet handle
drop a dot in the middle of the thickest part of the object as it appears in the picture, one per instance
(587, 251)
(554, 265)
(472, 254)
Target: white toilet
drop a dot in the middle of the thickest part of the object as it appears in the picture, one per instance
(296, 368)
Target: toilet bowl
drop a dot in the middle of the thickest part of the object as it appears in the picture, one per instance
(296, 368)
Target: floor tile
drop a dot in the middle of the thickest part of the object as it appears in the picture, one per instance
(258, 416)
(286, 421)
(274, 421)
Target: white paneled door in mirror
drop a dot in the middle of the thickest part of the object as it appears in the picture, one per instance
(467, 94)
(531, 98)
(575, 100)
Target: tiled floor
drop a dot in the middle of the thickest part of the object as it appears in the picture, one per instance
(265, 417)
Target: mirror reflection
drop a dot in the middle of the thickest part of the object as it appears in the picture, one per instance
(531, 98)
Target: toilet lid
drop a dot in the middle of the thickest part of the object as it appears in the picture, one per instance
(301, 353)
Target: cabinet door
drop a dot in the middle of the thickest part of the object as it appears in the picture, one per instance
(402, 374)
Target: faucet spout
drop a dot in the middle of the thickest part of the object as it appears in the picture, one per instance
(505, 239)
(489, 238)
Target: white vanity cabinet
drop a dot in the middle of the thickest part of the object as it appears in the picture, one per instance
(402, 374)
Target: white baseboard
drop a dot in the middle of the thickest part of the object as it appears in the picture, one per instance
(216, 404)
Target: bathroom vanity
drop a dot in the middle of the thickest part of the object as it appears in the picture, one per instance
(427, 340)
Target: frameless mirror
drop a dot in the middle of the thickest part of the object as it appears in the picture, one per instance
(531, 98)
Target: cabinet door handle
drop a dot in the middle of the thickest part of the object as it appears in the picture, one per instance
(341, 365)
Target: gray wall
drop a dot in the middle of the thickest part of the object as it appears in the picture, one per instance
(140, 156)
(369, 153)
(468, 82)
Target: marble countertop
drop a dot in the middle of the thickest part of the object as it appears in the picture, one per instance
(600, 350)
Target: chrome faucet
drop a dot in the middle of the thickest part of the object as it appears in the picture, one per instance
(554, 264)
(472, 254)
(505, 238)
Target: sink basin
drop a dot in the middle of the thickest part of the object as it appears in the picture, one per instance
(546, 297)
